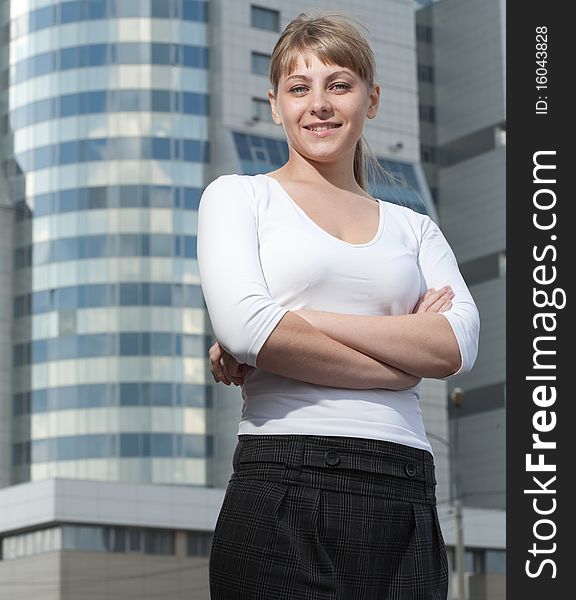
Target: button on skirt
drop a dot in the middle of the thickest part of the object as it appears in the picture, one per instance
(328, 518)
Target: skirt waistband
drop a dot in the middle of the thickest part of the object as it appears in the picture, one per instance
(356, 465)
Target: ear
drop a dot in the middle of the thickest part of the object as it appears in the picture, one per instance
(274, 108)
(374, 101)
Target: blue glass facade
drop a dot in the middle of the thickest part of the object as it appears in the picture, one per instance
(101, 395)
(130, 445)
(123, 196)
(109, 348)
(100, 55)
(91, 150)
(77, 11)
(102, 294)
(108, 101)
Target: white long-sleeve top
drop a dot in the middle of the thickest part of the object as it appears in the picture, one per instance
(260, 255)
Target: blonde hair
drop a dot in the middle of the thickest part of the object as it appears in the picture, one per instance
(333, 40)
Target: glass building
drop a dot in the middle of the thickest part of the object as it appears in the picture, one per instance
(107, 116)
(115, 444)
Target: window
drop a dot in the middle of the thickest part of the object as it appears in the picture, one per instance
(162, 445)
(427, 113)
(69, 58)
(41, 18)
(424, 33)
(260, 63)
(162, 54)
(70, 12)
(189, 394)
(96, 9)
(428, 154)
(128, 397)
(161, 294)
(160, 148)
(194, 56)
(264, 18)
(160, 100)
(261, 110)
(195, 103)
(33, 542)
(195, 11)
(97, 55)
(129, 345)
(130, 9)
(129, 445)
(425, 73)
(160, 9)
(495, 561)
(198, 543)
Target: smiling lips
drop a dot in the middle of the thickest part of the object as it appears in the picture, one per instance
(321, 126)
(322, 130)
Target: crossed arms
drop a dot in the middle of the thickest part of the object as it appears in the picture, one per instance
(333, 349)
(355, 351)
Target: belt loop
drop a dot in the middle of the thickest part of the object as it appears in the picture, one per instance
(293, 451)
(430, 483)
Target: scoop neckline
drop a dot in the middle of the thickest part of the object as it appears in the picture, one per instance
(327, 233)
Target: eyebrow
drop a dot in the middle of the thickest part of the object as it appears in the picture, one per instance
(335, 74)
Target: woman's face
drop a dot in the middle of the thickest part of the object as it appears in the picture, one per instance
(320, 93)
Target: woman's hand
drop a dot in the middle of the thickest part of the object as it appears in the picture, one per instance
(435, 300)
(225, 367)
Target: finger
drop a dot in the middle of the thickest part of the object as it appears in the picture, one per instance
(234, 369)
(427, 294)
(216, 350)
(243, 370)
(447, 297)
(418, 306)
(214, 354)
(431, 299)
(447, 306)
(215, 366)
(217, 371)
(225, 374)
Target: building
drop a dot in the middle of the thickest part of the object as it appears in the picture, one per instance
(461, 80)
(115, 447)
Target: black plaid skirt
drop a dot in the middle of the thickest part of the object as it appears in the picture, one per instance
(328, 518)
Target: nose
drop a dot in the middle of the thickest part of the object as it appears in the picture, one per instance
(319, 102)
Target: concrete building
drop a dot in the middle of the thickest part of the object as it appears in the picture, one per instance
(115, 445)
(461, 81)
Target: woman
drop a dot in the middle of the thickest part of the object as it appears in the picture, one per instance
(329, 307)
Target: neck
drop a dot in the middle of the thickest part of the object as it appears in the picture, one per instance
(339, 174)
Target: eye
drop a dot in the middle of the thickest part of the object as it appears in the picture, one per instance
(343, 85)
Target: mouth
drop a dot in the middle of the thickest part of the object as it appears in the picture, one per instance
(320, 128)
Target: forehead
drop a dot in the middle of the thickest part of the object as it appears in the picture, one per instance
(308, 61)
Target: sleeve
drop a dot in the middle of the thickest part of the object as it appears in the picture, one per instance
(439, 268)
(241, 310)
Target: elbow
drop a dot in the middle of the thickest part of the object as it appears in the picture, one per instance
(235, 345)
(453, 366)
(462, 350)
(244, 336)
